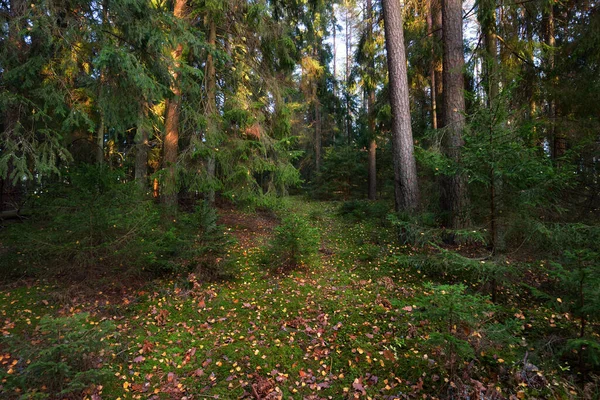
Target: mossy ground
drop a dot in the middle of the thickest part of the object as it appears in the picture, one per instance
(349, 327)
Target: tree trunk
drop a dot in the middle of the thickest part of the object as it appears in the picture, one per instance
(334, 59)
(100, 137)
(432, 69)
(437, 63)
(371, 106)
(348, 63)
(171, 140)
(211, 93)
(318, 134)
(487, 20)
(455, 201)
(101, 122)
(559, 140)
(406, 188)
(142, 148)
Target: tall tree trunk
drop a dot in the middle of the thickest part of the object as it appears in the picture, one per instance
(559, 141)
(371, 105)
(455, 201)
(406, 187)
(211, 93)
(334, 58)
(171, 140)
(100, 136)
(436, 13)
(432, 68)
(318, 134)
(101, 122)
(348, 64)
(487, 20)
(142, 148)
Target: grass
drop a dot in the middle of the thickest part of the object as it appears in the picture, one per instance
(355, 325)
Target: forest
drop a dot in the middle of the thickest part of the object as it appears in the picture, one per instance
(300, 199)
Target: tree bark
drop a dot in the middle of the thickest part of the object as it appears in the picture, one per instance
(406, 188)
(455, 201)
(211, 92)
(100, 137)
(436, 13)
(432, 69)
(559, 140)
(171, 139)
(372, 170)
(318, 134)
(487, 20)
(142, 148)
(348, 63)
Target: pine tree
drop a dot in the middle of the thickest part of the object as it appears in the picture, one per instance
(455, 200)
(405, 172)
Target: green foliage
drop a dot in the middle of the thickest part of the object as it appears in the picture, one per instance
(553, 238)
(463, 327)
(295, 244)
(64, 361)
(573, 288)
(452, 307)
(364, 210)
(342, 175)
(423, 229)
(93, 225)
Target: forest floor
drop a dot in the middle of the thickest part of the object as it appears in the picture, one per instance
(352, 326)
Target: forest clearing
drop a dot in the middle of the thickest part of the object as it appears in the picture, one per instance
(299, 199)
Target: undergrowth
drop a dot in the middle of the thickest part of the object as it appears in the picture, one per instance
(90, 225)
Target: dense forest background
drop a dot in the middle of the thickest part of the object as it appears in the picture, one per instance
(466, 135)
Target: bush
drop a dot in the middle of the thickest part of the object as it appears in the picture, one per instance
(460, 332)
(295, 244)
(342, 174)
(64, 361)
(573, 289)
(92, 224)
(364, 210)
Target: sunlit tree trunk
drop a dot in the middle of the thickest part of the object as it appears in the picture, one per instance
(371, 105)
(455, 200)
(406, 188)
(432, 87)
(171, 139)
(102, 80)
(436, 12)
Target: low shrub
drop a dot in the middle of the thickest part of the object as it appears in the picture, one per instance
(294, 244)
(64, 360)
(364, 210)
